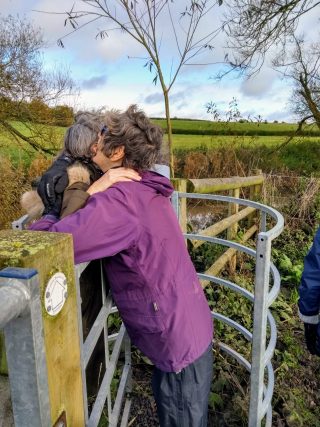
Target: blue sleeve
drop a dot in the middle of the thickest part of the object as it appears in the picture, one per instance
(309, 290)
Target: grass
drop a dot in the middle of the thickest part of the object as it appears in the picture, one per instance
(23, 128)
(236, 128)
(301, 157)
(301, 154)
(188, 142)
(18, 151)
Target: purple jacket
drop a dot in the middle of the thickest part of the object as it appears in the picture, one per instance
(153, 281)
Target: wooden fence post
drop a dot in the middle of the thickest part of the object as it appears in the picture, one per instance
(255, 192)
(49, 254)
(181, 186)
(232, 231)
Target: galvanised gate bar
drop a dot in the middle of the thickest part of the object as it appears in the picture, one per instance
(40, 312)
(262, 298)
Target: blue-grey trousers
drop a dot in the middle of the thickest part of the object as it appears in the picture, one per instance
(182, 398)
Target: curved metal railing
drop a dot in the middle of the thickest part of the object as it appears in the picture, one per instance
(117, 411)
(261, 354)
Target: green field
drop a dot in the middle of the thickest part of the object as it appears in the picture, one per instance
(204, 127)
(19, 151)
(302, 154)
(189, 142)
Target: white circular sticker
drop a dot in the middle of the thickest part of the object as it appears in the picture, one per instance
(56, 294)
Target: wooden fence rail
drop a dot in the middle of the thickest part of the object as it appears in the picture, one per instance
(216, 185)
(231, 223)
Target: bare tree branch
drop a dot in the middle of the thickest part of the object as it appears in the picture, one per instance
(303, 69)
(294, 134)
(256, 26)
(140, 20)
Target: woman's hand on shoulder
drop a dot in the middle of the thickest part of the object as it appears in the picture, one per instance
(111, 177)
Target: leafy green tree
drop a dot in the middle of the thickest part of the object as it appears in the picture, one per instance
(62, 115)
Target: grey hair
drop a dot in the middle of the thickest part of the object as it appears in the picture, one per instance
(141, 139)
(80, 137)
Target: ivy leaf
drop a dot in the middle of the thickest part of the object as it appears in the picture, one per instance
(285, 262)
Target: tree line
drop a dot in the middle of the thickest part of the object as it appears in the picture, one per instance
(37, 111)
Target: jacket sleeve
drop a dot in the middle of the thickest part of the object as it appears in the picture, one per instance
(106, 226)
(309, 290)
(74, 198)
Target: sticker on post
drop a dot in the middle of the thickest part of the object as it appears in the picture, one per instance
(56, 294)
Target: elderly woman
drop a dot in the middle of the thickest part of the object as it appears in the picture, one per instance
(133, 228)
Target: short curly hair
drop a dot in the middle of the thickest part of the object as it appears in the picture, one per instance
(132, 129)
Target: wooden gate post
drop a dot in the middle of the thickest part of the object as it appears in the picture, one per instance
(181, 186)
(232, 231)
(255, 193)
(51, 254)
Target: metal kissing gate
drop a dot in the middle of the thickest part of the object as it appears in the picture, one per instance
(262, 298)
(28, 310)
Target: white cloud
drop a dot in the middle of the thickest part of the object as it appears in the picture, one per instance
(82, 45)
(108, 78)
(117, 45)
(259, 84)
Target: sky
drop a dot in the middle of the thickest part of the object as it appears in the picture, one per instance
(110, 72)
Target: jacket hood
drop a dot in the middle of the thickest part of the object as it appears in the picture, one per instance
(158, 182)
